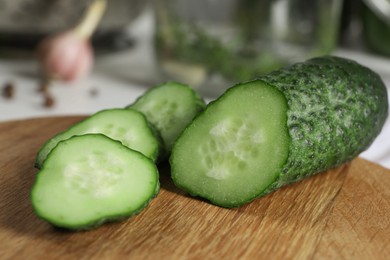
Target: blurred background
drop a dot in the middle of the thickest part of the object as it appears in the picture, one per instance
(208, 44)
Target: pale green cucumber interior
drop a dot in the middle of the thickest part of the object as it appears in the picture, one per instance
(127, 126)
(235, 149)
(169, 108)
(89, 178)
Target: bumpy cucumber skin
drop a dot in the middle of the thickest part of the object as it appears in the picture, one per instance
(199, 106)
(41, 155)
(336, 108)
(96, 222)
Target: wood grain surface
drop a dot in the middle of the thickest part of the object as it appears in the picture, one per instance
(340, 214)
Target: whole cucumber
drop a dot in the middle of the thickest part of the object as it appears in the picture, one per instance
(278, 129)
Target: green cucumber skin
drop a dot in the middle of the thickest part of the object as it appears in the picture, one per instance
(95, 222)
(336, 108)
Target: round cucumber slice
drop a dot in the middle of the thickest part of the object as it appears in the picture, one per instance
(91, 179)
(230, 153)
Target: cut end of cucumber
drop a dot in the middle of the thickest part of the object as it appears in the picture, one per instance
(236, 148)
(232, 142)
(90, 179)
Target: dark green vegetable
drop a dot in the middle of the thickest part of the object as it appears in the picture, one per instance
(278, 129)
(91, 179)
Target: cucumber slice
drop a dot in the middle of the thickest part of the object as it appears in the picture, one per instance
(285, 126)
(91, 179)
(126, 125)
(170, 107)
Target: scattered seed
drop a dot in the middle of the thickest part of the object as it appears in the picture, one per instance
(49, 101)
(94, 92)
(9, 90)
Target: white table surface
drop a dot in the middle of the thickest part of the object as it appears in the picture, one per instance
(120, 78)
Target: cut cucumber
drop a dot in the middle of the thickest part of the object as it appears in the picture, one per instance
(221, 153)
(126, 125)
(91, 179)
(170, 107)
(278, 129)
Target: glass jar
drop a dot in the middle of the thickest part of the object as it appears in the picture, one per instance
(376, 25)
(211, 44)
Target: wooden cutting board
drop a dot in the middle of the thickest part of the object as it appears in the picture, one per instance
(343, 213)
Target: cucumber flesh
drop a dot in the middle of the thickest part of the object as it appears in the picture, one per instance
(231, 152)
(128, 126)
(90, 179)
(170, 107)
